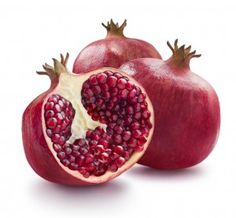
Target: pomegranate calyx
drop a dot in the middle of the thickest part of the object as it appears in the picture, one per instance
(114, 29)
(181, 56)
(58, 67)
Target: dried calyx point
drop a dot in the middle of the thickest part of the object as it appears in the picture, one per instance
(57, 68)
(182, 55)
(114, 29)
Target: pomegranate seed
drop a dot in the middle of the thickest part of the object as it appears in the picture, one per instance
(142, 140)
(53, 98)
(103, 142)
(57, 108)
(55, 138)
(129, 86)
(117, 139)
(141, 98)
(130, 110)
(61, 140)
(132, 142)
(49, 105)
(119, 149)
(93, 80)
(124, 93)
(88, 133)
(132, 93)
(57, 147)
(108, 73)
(118, 129)
(136, 133)
(108, 113)
(126, 135)
(126, 155)
(120, 161)
(113, 167)
(106, 95)
(114, 117)
(76, 153)
(83, 150)
(49, 132)
(88, 92)
(61, 155)
(49, 113)
(90, 167)
(146, 114)
(135, 125)
(99, 149)
(128, 121)
(73, 166)
(111, 81)
(104, 87)
(121, 83)
(51, 123)
(137, 115)
(101, 78)
(68, 150)
(89, 158)
(104, 157)
(71, 158)
(65, 162)
(80, 160)
(80, 142)
(114, 156)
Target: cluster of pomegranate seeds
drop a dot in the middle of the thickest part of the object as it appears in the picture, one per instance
(109, 98)
(59, 115)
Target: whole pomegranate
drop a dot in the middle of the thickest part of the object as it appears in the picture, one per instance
(86, 129)
(187, 112)
(112, 51)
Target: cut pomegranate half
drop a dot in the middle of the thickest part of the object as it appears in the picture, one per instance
(87, 128)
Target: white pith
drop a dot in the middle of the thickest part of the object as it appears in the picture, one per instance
(69, 87)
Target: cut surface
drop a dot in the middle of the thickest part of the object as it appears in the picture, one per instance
(96, 123)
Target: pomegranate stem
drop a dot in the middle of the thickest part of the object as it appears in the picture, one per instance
(113, 29)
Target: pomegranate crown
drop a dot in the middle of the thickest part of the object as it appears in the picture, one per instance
(181, 54)
(114, 29)
(57, 68)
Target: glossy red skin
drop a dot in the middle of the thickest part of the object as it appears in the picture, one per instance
(112, 52)
(36, 148)
(187, 113)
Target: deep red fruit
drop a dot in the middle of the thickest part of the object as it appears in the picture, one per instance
(187, 112)
(112, 51)
(78, 132)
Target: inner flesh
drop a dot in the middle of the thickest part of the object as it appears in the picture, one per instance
(120, 107)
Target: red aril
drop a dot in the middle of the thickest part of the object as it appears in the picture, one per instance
(75, 133)
(112, 51)
(187, 112)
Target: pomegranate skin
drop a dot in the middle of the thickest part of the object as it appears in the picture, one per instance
(112, 51)
(187, 111)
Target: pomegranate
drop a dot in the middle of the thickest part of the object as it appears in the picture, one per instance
(112, 51)
(86, 129)
(186, 107)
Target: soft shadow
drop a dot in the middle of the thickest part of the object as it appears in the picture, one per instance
(77, 197)
(181, 174)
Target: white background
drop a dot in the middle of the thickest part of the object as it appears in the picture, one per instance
(31, 33)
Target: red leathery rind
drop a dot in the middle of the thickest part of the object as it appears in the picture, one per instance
(187, 113)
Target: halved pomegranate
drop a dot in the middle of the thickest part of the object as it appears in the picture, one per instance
(86, 129)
